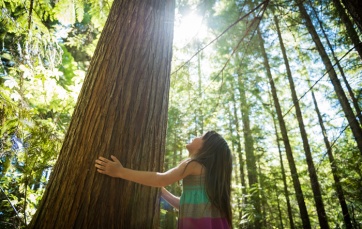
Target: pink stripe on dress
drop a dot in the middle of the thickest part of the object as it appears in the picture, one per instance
(203, 223)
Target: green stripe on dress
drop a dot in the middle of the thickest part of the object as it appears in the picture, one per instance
(194, 197)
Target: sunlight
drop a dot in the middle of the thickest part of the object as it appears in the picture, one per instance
(187, 28)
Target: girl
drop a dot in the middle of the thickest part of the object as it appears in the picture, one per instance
(206, 175)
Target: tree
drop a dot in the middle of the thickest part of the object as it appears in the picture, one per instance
(121, 110)
(349, 89)
(293, 169)
(334, 167)
(322, 216)
(249, 151)
(286, 192)
(354, 125)
(354, 7)
(240, 154)
(349, 26)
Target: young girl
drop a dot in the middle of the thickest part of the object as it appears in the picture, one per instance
(206, 175)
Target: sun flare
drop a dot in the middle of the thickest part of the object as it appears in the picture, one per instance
(187, 28)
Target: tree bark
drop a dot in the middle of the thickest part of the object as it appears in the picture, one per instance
(317, 194)
(121, 110)
(352, 121)
(293, 169)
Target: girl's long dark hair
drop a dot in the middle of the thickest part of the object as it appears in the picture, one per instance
(215, 156)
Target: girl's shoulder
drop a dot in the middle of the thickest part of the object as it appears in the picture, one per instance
(193, 167)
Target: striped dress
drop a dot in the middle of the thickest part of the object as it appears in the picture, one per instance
(196, 211)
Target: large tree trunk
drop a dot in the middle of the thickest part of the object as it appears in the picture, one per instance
(288, 149)
(322, 216)
(352, 121)
(121, 110)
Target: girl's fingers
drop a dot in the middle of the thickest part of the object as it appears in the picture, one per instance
(98, 162)
(100, 171)
(99, 166)
(103, 159)
(114, 158)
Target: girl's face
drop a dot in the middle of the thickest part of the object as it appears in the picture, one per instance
(195, 145)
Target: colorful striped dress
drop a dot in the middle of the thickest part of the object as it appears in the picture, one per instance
(196, 211)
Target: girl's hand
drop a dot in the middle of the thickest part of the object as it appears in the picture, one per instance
(108, 167)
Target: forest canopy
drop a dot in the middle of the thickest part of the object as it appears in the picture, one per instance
(280, 80)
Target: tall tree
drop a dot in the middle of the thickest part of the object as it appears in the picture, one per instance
(334, 167)
(200, 116)
(286, 191)
(349, 89)
(249, 151)
(349, 26)
(288, 149)
(322, 216)
(354, 8)
(333, 163)
(240, 154)
(121, 110)
(351, 118)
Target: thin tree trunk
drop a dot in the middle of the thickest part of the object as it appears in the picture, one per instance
(322, 216)
(280, 213)
(237, 173)
(262, 194)
(350, 91)
(199, 91)
(349, 27)
(297, 187)
(356, 129)
(354, 8)
(286, 192)
(249, 152)
(240, 153)
(334, 167)
(121, 110)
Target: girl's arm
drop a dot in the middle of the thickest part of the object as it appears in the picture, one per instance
(171, 199)
(114, 168)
